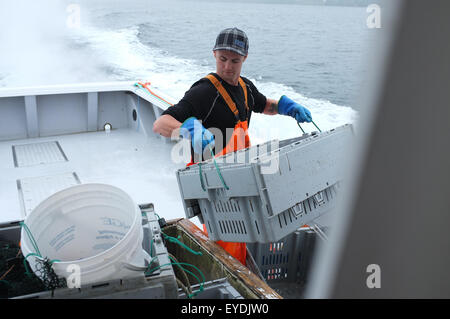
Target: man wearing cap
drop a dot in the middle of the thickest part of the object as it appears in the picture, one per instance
(220, 105)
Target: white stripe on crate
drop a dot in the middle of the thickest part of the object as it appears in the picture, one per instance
(34, 190)
(38, 153)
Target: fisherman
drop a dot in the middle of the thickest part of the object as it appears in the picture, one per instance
(215, 112)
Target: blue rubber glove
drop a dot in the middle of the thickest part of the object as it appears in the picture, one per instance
(200, 137)
(288, 107)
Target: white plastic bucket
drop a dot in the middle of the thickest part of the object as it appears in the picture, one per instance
(92, 229)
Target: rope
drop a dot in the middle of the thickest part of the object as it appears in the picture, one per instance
(36, 249)
(182, 286)
(150, 263)
(189, 272)
(27, 270)
(201, 176)
(10, 268)
(217, 169)
(316, 125)
(298, 123)
(186, 283)
(151, 247)
(195, 293)
(300, 127)
(177, 241)
(30, 236)
(145, 86)
(175, 262)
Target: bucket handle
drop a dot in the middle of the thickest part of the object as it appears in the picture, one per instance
(131, 266)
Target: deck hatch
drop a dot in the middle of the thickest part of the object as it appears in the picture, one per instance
(37, 154)
(33, 190)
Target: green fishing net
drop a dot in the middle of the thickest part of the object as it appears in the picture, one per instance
(16, 277)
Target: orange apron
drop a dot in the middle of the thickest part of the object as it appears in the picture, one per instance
(239, 140)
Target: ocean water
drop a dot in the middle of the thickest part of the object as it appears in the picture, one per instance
(313, 54)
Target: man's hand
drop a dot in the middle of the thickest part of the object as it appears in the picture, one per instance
(288, 107)
(200, 137)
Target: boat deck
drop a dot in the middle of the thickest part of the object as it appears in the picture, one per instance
(34, 168)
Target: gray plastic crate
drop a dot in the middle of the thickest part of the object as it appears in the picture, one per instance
(263, 204)
(285, 264)
(160, 284)
(216, 289)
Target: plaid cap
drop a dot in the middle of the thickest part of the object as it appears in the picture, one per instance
(232, 39)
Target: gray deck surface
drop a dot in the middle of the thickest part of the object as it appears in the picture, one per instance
(35, 168)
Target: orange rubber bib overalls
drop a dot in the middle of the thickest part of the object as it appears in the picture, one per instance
(239, 140)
